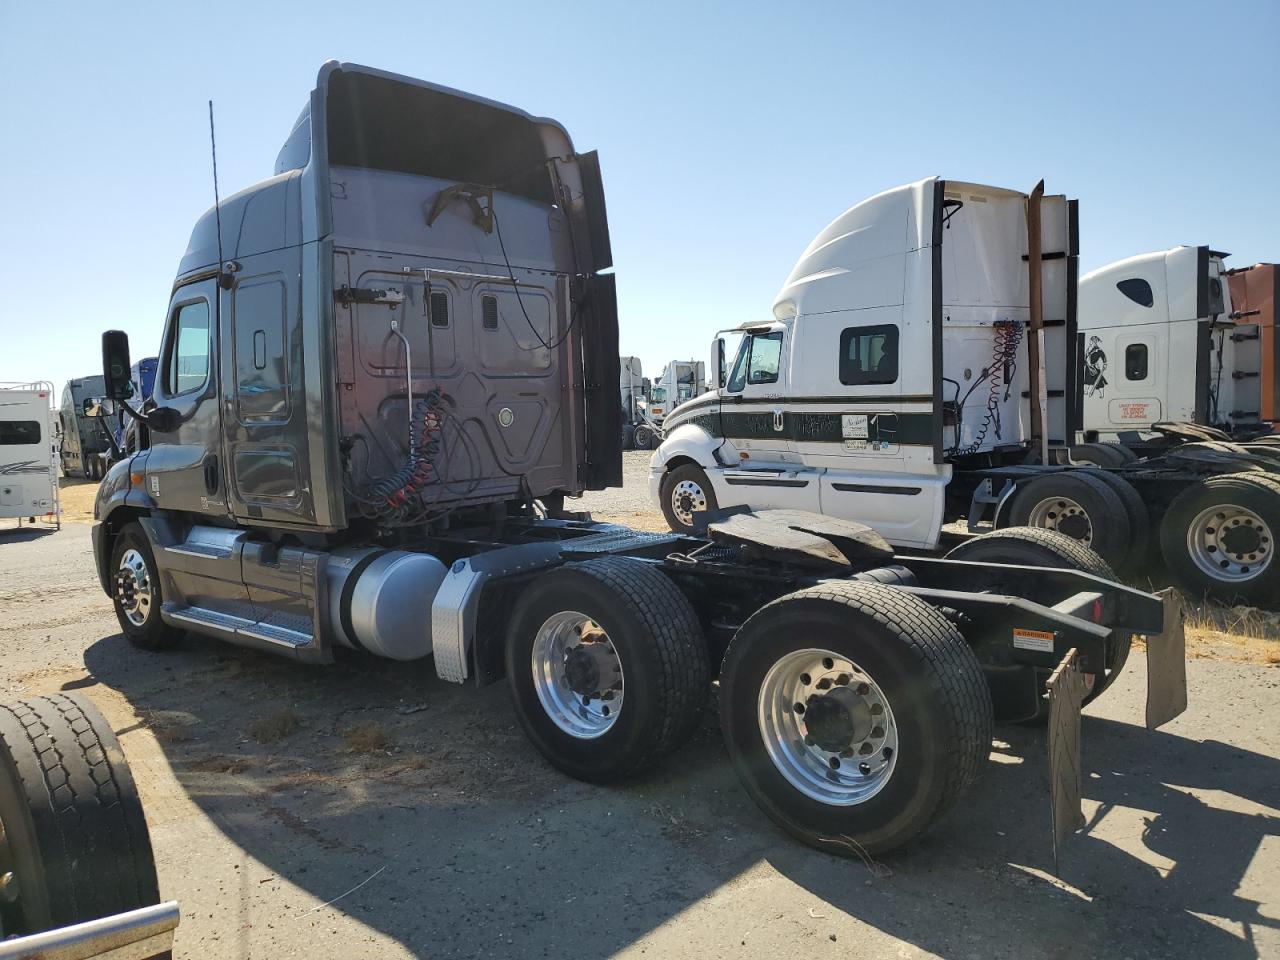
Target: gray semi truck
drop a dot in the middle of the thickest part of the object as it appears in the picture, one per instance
(384, 371)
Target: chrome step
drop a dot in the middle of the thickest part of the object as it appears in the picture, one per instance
(239, 629)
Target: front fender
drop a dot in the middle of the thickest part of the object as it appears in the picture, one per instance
(118, 489)
(689, 441)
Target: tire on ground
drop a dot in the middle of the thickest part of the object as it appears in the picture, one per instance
(77, 839)
(643, 437)
(1103, 454)
(1032, 546)
(1245, 547)
(152, 633)
(934, 688)
(696, 494)
(663, 656)
(1135, 509)
(1041, 503)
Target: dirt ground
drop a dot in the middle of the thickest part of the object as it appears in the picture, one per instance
(369, 810)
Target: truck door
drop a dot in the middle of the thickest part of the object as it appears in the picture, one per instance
(264, 414)
(1139, 373)
(754, 419)
(184, 469)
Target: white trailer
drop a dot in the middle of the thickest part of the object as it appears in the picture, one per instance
(28, 453)
(1160, 342)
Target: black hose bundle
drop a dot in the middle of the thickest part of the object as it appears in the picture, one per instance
(398, 497)
(1007, 336)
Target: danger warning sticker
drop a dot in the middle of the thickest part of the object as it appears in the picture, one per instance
(1037, 640)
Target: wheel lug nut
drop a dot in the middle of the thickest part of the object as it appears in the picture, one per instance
(864, 769)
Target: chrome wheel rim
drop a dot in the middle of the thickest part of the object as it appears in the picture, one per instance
(577, 675)
(687, 498)
(827, 727)
(1064, 515)
(134, 588)
(1230, 543)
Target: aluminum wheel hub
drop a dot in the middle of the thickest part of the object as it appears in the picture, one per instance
(827, 727)
(687, 498)
(133, 587)
(577, 675)
(1230, 543)
(1064, 515)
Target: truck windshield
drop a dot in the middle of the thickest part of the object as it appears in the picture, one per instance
(658, 394)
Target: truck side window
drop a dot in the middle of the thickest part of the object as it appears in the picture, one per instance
(869, 355)
(766, 354)
(188, 366)
(1135, 361)
(1137, 290)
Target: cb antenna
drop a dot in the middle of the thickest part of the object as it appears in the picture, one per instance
(224, 276)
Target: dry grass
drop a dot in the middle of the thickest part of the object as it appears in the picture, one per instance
(169, 726)
(77, 496)
(367, 737)
(219, 763)
(1244, 634)
(275, 726)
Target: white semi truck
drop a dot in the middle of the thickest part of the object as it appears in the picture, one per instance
(382, 372)
(639, 432)
(1161, 343)
(681, 380)
(921, 367)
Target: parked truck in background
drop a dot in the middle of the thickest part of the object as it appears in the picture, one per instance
(380, 380)
(638, 431)
(83, 437)
(681, 380)
(921, 368)
(1162, 343)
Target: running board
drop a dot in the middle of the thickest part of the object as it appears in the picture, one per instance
(259, 634)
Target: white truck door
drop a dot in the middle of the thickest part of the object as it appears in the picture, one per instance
(1139, 374)
(754, 419)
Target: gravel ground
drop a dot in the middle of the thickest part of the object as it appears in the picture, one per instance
(629, 504)
(272, 789)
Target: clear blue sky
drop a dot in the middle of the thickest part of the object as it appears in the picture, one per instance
(729, 133)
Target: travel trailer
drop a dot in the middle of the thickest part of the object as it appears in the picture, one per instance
(28, 453)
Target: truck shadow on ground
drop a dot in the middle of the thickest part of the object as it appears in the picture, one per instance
(473, 846)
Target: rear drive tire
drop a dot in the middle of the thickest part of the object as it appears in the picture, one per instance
(137, 593)
(685, 491)
(643, 438)
(607, 667)
(1078, 505)
(77, 840)
(1103, 454)
(1035, 547)
(889, 673)
(1135, 509)
(1218, 538)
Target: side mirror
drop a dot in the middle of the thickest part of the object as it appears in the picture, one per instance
(115, 365)
(718, 372)
(99, 407)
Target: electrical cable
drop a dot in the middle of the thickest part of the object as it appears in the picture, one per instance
(573, 314)
(1007, 337)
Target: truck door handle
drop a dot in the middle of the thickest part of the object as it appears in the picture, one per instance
(211, 474)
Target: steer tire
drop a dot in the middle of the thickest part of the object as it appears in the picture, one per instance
(659, 644)
(152, 633)
(691, 473)
(1034, 547)
(1258, 493)
(1103, 454)
(1107, 519)
(929, 677)
(77, 840)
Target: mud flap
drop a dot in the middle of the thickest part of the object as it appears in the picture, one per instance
(1167, 665)
(1066, 694)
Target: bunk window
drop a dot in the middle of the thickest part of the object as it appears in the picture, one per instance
(19, 433)
(439, 308)
(869, 355)
(1135, 361)
(1137, 290)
